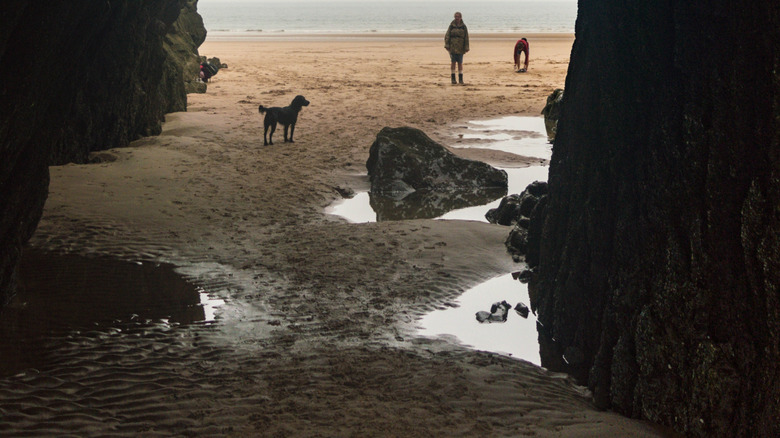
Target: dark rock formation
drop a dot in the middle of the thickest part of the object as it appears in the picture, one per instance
(552, 112)
(523, 276)
(80, 76)
(483, 316)
(402, 160)
(499, 312)
(517, 242)
(659, 257)
(216, 62)
(507, 212)
(517, 210)
(514, 208)
(534, 238)
(345, 192)
(181, 44)
(522, 310)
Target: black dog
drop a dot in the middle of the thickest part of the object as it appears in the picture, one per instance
(287, 116)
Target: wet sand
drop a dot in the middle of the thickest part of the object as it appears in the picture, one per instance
(317, 336)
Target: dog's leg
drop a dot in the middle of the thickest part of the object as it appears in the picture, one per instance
(265, 131)
(271, 135)
(292, 130)
(286, 128)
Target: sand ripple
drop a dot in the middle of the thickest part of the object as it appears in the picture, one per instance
(314, 333)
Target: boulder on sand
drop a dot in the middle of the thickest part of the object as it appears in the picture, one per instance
(403, 160)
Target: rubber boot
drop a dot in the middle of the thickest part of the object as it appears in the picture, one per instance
(460, 78)
(453, 79)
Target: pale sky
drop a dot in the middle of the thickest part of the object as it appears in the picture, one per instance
(364, 1)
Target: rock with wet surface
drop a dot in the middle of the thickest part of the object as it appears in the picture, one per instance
(499, 312)
(517, 241)
(516, 209)
(523, 276)
(407, 159)
(507, 212)
(552, 111)
(522, 310)
(483, 316)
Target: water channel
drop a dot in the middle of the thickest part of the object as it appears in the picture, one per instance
(517, 336)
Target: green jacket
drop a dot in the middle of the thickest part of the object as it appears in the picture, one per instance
(456, 40)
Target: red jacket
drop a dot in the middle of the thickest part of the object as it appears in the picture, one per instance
(520, 47)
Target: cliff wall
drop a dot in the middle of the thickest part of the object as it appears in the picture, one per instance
(656, 280)
(77, 77)
(182, 64)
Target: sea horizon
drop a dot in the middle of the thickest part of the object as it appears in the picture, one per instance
(236, 19)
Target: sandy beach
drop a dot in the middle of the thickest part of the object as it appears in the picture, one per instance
(316, 335)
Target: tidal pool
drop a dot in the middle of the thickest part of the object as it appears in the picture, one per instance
(517, 337)
(61, 294)
(524, 136)
(519, 179)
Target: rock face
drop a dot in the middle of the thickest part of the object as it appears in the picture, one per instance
(181, 45)
(552, 112)
(517, 208)
(658, 266)
(517, 211)
(85, 76)
(403, 160)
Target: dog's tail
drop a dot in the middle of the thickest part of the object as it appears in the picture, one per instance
(261, 109)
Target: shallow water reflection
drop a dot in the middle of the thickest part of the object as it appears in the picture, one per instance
(516, 337)
(526, 136)
(365, 207)
(519, 179)
(61, 294)
(429, 205)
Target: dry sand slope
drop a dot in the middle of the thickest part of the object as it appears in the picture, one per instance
(316, 336)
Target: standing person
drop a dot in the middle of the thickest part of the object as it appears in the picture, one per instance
(521, 47)
(456, 42)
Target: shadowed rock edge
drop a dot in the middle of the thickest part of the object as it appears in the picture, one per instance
(659, 262)
(86, 76)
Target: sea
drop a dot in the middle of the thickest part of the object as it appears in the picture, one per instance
(226, 19)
